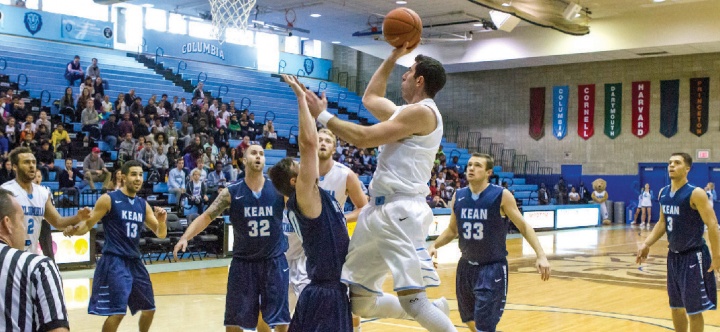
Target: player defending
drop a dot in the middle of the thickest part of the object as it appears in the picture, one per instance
(36, 200)
(258, 277)
(391, 230)
(319, 222)
(477, 216)
(121, 279)
(684, 211)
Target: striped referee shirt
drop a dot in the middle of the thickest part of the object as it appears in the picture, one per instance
(32, 293)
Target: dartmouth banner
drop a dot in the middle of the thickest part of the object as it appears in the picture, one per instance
(669, 100)
(640, 108)
(560, 112)
(699, 94)
(613, 109)
(537, 113)
(586, 111)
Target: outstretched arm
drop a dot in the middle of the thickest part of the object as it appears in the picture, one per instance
(217, 207)
(102, 207)
(449, 234)
(306, 188)
(509, 207)
(374, 98)
(53, 216)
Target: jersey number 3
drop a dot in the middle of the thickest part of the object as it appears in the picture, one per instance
(262, 230)
(473, 231)
(669, 224)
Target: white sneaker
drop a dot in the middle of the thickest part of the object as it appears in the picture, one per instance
(443, 305)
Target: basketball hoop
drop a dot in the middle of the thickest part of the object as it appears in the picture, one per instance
(290, 17)
(374, 22)
(229, 14)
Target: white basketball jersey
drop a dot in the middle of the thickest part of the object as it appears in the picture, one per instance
(33, 206)
(335, 182)
(404, 166)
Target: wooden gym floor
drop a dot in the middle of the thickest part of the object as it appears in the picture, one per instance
(595, 286)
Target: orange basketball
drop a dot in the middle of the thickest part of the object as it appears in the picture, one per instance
(402, 25)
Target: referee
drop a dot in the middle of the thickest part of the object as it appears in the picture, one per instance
(32, 292)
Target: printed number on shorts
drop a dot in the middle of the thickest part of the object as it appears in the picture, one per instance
(669, 224)
(473, 231)
(131, 229)
(259, 229)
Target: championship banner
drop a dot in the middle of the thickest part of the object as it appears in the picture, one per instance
(586, 111)
(641, 108)
(669, 100)
(699, 94)
(77, 29)
(613, 110)
(560, 103)
(537, 113)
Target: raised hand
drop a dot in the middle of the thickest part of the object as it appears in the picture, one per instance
(160, 214)
(295, 84)
(403, 50)
(315, 103)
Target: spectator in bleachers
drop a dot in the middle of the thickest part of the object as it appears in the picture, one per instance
(60, 140)
(201, 167)
(127, 148)
(93, 71)
(27, 139)
(43, 120)
(120, 106)
(28, 123)
(157, 127)
(269, 134)
(231, 107)
(144, 153)
(126, 126)
(66, 180)
(90, 120)
(181, 107)
(67, 102)
(136, 110)
(6, 173)
(196, 191)
(213, 147)
(437, 202)
(185, 135)
(585, 195)
(46, 160)
(4, 145)
(73, 71)
(543, 196)
(176, 179)
(150, 111)
(98, 87)
(573, 196)
(12, 132)
(130, 97)
(115, 183)
(160, 142)
(252, 126)
(110, 132)
(107, 107)
(94, 169)
(444, 193)
(82, 103)
(243, 145)
(87, 84)
(173, 154)
(42, 134)
(207, 157)
(220, 119)
(199, 93)
(214, 107)
(171, 132)
(141, 129)
(234, 126)
(202, 120)
(190, 160)
(160, 163)
(216, 179)
(221, 138)
(98, 103)
(561, 192)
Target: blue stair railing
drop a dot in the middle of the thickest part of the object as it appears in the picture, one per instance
(220, 88)
(159, 53)
(242, 103)
(281, 66)
(182, 65)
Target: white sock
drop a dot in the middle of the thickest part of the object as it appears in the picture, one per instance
(386, 306)
(424, 312)
(357, 329)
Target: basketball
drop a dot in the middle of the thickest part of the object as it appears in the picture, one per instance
(402, 25)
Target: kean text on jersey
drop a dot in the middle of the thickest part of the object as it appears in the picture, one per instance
(258, 211)
(477, 214)
(132, 216)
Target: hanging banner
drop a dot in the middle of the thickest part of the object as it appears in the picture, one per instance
(586, 111)
(537, 113)
(640, 108)
(560, 103)
(613, 110)
(669, 100)
(699, 94)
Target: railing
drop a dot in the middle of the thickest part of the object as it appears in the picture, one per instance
(43, 93)
(519, 166)
(485, 145)
(23, 76)
(159, 53)
(142, 47)
(472, 141)
(343, 77)
(242, 103)
(220, 93)
(342, 96)
(267, 116)
(507, 160)
(4, 63)
(281, 66)
(532, 167)
(204, 75)
(300, 72)
(352, 83)
(496, 151)
(182, 65)
(545, 171)
(452, 153)
(291, 135)
(322, 86)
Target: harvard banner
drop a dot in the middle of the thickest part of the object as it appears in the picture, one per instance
(560, 103)
(613, 109)
(641, 108)
(669, 100)
(586, 111)
(699, 94)
(537, 113)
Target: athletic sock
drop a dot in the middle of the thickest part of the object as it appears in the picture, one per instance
(385, 306)
(424, 312)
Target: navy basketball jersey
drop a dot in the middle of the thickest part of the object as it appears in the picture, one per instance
(257, 221)
(123, 224)
(683, 224)
(481, 227)
(325, 239)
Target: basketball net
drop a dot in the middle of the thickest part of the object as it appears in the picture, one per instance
(229, 14)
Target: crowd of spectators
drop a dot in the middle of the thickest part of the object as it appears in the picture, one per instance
(445, 179)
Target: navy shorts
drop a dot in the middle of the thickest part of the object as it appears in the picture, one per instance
(481, 291)
(119, 283)
(323, 307)
(255, 286)
(689, 284)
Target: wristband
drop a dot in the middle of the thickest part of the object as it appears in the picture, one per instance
(325, 117)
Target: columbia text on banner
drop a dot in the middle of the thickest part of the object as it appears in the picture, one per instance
(669, 100)
(537, 113)
(640, 108)
(560, 112)
(613, 110)
(699, 112)
(586, 111)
